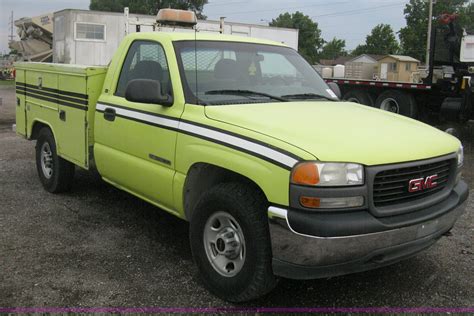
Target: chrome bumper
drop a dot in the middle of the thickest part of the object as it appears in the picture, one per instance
(329, 256)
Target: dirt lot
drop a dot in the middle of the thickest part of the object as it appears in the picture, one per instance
(98, 246)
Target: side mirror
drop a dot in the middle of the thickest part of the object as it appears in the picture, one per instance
(335, 88)
(146, 91)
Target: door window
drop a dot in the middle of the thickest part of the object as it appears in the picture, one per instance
(145, 60)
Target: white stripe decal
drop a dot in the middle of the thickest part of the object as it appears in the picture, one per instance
(208, 133)
(140, 116)
(239, 142)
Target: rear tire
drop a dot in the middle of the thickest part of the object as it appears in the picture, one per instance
(230, 242)
(361, 97)
(55, 173)
(397, 102)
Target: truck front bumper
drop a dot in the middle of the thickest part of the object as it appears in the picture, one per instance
(308, 256)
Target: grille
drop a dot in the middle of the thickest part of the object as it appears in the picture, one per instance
(391, 186)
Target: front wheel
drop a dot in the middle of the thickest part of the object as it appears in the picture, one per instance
(55, 173)
(230, 242)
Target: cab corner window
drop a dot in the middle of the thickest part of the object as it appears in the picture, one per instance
(145, 60)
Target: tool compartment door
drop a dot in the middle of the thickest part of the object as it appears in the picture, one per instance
(73, 104)
(41, 102)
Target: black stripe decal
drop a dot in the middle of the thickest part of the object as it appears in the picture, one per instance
(75, 106)
(204, 137)
(57, 96)
(141, 111)
(244, 137)
(64, 92)
(204, 126)
(142, 121)
(212, 140)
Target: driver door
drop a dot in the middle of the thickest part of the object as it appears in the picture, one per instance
(135, 142)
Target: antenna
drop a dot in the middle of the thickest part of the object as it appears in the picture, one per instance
(195, 62)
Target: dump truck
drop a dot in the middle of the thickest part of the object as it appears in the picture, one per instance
(244, 140)
(444, 96)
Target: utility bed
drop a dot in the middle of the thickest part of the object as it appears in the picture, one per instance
(62, 97)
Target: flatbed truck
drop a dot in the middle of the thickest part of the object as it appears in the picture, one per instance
(446, 95)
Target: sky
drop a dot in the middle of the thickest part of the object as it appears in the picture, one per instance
(350, 20)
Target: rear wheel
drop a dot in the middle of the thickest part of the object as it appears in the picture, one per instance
(55, 173)
(230, 242)
(360, 96)
(397, 102)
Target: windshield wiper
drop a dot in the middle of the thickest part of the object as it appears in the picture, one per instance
(304, 96)
(246, 93)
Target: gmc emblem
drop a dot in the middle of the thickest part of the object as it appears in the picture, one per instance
(421, 184)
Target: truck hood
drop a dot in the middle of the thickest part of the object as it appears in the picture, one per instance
(340, 131)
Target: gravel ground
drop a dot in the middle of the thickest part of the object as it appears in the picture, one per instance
(98, 246)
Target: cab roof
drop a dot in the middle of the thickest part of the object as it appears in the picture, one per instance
(191, 36)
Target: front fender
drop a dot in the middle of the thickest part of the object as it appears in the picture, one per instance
(273, 180)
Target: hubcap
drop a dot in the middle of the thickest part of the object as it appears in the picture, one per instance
(46, 160)
(390, 105)
(224, 244)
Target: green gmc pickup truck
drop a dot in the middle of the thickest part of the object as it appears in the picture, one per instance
(242, 138)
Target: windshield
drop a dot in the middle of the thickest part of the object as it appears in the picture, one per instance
(219, 73)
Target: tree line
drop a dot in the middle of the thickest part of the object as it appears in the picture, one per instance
(382, 40)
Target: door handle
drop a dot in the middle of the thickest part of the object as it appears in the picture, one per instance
(109, 114)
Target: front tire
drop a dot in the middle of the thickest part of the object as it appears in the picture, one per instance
(230, 242)
(55, 173)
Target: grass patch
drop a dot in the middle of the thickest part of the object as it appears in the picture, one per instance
(7, 82)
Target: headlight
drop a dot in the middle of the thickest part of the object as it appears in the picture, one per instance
(460, 155)
(328, 174)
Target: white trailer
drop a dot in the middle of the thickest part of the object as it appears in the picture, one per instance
(91, 37)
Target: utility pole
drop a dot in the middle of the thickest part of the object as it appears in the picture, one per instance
(11, 36)
(428, 39)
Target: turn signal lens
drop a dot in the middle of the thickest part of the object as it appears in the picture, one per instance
(310, 202)
(332, 203)
(305, 174)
